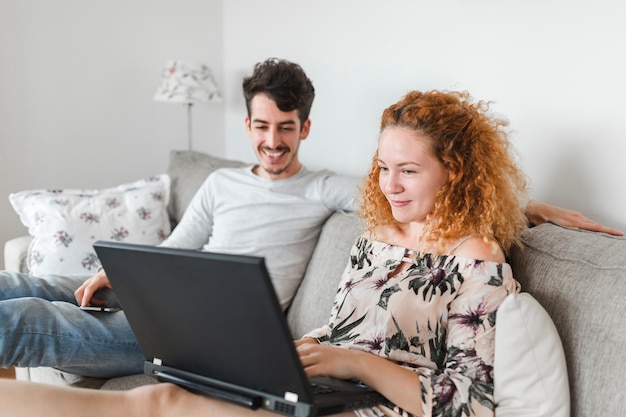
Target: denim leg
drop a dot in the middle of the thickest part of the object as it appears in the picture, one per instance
(50, 287)
(41, 325)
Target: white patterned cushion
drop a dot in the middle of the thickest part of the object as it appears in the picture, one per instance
(66, 223)
(530, 373)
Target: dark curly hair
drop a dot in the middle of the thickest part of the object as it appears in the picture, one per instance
(285, 83)
(485, 185)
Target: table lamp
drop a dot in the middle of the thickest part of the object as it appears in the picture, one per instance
(187, 83)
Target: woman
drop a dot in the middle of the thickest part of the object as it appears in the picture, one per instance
(415, 314)
(441, 203)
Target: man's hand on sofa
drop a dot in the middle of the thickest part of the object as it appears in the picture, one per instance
(538, 212)
(84, 293)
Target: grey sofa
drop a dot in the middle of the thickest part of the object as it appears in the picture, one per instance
(578, 277)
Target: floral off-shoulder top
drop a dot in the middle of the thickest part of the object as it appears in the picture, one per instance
(437, 318)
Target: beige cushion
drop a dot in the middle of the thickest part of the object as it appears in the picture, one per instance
(530, 373)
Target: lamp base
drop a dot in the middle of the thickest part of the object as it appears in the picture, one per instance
(190, 139)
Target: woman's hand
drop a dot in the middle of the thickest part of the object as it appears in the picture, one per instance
(325, 360)
(400, 386)
(305, 340)
(84, 293)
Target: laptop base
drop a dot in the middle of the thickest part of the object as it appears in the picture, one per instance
(252, 402)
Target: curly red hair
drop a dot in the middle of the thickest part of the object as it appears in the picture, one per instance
(485, 185)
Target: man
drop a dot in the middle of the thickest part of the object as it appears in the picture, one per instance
(273, 209)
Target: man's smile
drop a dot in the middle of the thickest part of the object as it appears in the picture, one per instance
(274, 153)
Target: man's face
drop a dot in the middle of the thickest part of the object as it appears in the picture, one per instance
(276, 136)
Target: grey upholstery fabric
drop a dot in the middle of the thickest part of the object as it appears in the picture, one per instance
(128, 382)
(310, 308)
(187, 171)
(580, 279)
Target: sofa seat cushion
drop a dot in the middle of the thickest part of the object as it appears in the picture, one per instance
(123, 383)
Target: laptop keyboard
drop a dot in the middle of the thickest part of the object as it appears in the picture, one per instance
(321, 388)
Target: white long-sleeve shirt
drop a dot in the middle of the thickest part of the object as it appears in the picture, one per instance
(238, 212)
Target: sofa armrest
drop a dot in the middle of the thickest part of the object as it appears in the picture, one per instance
(15, 251)
(579, 277)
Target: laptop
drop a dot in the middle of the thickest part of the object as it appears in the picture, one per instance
(212, 323)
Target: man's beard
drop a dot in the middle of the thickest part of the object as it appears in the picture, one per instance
(277, 171)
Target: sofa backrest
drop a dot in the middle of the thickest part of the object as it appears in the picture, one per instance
(311, 306)
(579, 277)
(187, 171)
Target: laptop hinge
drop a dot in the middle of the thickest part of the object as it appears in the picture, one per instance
(251, 401)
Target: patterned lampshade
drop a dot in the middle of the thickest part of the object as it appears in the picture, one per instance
(187, 82)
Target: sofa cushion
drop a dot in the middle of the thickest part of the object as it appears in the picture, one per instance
(530, 373)
(123, 383)
(311, 306)
(66, 222)
(188, 170)
(579, 277)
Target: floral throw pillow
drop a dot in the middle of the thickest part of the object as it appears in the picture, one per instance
(66, 223)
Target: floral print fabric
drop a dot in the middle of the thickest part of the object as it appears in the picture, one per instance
(436, 317)
(65, 223)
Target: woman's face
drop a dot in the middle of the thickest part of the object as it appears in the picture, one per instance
(410, 175)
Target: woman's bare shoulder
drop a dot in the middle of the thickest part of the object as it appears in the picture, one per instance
(477, 247)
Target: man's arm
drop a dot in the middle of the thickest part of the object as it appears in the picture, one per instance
(538, 212)
(194, 229)
(341, 190)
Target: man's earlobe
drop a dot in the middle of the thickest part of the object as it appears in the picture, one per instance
(306, 127)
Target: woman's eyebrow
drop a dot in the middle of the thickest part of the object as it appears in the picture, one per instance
(401, 164)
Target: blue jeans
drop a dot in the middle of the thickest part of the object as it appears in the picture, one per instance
(41, 325)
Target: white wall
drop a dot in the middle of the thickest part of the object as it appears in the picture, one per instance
(77, 79)
(555, 69)
(76, 85)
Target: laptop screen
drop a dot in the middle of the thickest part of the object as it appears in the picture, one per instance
(210, 314)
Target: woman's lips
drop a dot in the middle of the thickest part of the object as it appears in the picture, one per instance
(399, 203)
